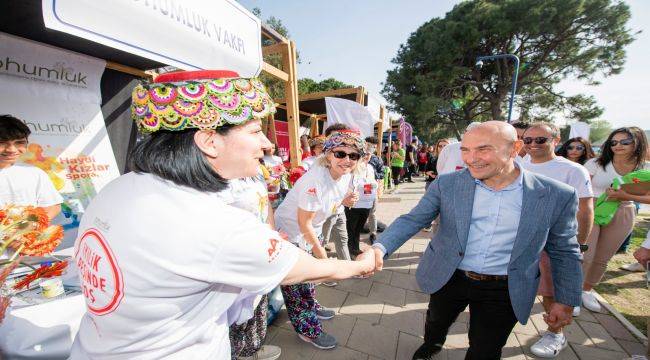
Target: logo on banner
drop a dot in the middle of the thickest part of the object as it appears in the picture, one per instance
(101, 278)
(57, 73)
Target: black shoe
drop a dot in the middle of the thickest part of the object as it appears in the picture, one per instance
(372, 238)
(425, 352)
(410, 181)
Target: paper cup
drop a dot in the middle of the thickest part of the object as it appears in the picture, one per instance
(52, 287)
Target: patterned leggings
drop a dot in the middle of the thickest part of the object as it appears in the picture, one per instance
(301, 303)
(246, 339)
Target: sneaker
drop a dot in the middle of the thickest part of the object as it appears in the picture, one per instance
(637, 357)
(576, 311)
(427, 229)
(634, 267)
(266, 352)
(424, 352)
(324, 341)
(372, 238)
(549, 346)
(329, 283)
(325, 314)
(590, 302)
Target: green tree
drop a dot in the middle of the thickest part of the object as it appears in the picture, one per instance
(307, 85)
(599, 130)
(436, 81)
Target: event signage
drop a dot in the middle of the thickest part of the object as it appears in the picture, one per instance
(282, 138)
(187, 34)
(57, 94)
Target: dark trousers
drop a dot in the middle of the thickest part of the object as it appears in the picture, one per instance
(491, 315)
(396, 172)
(356, 219)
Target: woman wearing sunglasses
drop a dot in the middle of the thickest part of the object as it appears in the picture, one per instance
(577, 150)
(314, 198)
(623, 152)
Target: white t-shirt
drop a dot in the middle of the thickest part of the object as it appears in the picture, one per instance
(161, 266)
(248, 194)
(450, 159)
(315, 191)
(272, 160)
(308, 162)
(26, 185)
(366, 186)
(565, 171)
(601, 178)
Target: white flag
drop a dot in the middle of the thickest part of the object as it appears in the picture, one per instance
(351, 114)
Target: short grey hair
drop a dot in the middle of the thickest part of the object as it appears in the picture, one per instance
(555, 131)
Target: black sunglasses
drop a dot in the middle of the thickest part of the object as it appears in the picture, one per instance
(538, 140)
(342, 154)
(576, 147)
(628, 141)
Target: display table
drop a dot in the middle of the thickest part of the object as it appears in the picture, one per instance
(42, 331)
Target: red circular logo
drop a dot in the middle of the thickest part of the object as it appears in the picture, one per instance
(101, 278)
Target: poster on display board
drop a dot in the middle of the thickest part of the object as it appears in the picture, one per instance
(187, 34)
(282, 138)
(57, 94)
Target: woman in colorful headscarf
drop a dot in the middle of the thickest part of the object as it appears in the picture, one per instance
(165, 264)
(316, 196)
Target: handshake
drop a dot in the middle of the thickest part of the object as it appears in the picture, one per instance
(370, 261)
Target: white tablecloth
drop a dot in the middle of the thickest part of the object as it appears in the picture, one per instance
(43, 331)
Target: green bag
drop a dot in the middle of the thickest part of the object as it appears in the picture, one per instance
(605, 209)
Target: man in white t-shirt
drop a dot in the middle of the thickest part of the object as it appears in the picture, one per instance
(22, 184)
(540, 140)
(450, 159)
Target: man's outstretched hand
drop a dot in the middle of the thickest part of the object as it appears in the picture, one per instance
(371, 255)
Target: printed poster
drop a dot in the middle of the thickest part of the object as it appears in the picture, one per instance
(57, 94)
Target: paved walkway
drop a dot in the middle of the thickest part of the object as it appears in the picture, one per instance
(383, 317)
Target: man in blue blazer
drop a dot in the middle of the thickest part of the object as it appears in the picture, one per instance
(495, 220)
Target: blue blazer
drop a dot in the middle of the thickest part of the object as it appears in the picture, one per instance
(548, 222)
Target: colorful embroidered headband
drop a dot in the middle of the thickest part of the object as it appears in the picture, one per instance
(318, 140)
(198, 99)
(351, 138)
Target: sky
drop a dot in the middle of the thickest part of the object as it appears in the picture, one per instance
(355, 40)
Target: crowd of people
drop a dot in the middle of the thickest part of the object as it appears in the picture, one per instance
(199, 244)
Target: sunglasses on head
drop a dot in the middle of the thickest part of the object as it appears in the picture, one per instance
(342, 154)
(576, 147)
(628, 141)
(538, 140)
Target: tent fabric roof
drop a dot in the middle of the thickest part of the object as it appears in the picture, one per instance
(24, 18)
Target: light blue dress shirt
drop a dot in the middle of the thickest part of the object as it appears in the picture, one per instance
(493, 228)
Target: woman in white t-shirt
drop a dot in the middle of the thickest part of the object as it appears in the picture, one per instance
(316, 196)
(271, 158)
(356, 216)
(623, 152)
(316, 146)
(165, 264)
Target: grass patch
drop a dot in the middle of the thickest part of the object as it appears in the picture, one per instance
(625, 291)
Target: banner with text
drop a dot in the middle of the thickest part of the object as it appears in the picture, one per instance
(187, 34)
(57, 94)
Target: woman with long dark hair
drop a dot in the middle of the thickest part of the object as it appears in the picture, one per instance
(624, 151)
(165, 264)
(577, 149)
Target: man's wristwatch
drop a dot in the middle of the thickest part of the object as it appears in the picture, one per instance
(584, 247)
